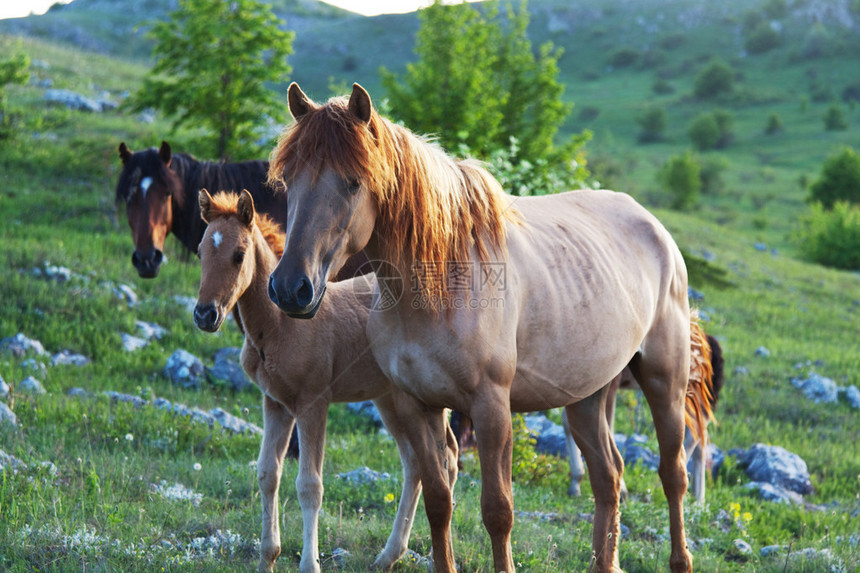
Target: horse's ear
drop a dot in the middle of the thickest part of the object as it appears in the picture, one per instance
(359, 103)
(124, 152)
(300, 104)
(246, 208)
(164, 153)
(205, 202)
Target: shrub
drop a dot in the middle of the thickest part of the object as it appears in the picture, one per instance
(623, 58)
(653, 123)
(774, 124)
(716, 79)
(762, 39)
(834, 119)
(681, 176)
(839, 180)
(711, 175)
(711, 130)
(662, 87)
(832, 237)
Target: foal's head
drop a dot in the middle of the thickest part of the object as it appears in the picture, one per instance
(228, 253)
(149, 189)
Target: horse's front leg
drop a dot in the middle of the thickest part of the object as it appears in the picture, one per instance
(309, 483)
(278, 424)
(431, 441)
(409, 494)
(491, 413)
(591, 430)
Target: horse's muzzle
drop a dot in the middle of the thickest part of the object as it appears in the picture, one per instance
(299, 301)
(147, 264)
(207, 317)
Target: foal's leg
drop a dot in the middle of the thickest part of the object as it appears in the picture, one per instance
(610, 419)
(430, 438)
(605, 467)
(409, 494)
(491, 413)
(574, 457)
(662, 370)
(278, 424)
(309, 483)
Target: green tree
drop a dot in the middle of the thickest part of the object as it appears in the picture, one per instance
(480, 89)
(213, 59)
(715, 80)
(711, 130)
(832, 237)
(839, 180)
(13, 71)
(653, 123)
(774, 124)
(681, 176)
(834, 119)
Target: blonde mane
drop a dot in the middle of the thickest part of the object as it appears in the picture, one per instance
(226, 204)
(432, 208)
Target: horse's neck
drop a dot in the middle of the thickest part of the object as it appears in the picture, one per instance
(188, 227)
(255, 307)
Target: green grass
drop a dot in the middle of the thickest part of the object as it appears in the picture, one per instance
(99, 510)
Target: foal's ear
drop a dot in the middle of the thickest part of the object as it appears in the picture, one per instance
(205, 202)
(246, 208)
(164, 153)
(300, 104)
(359, 103)
(124, 152)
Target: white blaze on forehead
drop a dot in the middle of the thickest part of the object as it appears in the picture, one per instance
(216, 239)
(144, 184)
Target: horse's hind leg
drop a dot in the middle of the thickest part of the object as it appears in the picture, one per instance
(277, 426)
(605, 467)
(662, 370)
(696, 451)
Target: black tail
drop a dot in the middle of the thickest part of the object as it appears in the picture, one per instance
(718, 368)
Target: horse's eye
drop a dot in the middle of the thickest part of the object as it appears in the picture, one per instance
(353, 185)
(238, 257)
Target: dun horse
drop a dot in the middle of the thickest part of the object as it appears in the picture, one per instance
(301, 367)
(501, 304)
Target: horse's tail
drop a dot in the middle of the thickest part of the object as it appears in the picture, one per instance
(701, 393)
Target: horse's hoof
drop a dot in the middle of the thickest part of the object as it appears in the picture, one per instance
(574, 490)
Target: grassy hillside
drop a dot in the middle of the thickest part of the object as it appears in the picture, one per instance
(101, 509)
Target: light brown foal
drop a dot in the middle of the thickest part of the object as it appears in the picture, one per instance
(301, 366)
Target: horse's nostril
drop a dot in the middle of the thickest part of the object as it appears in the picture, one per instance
(304, 292)
(205, 316)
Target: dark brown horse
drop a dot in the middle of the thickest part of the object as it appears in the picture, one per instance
(159, 189)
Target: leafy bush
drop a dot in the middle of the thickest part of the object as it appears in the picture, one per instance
(711, 175)
(653, 123)
(834, 119)
(716, 79)
(623, 58)
(762, 39)
(662, 87)
(839, 180)
(774, 124)
(832, 237)
(13, 70)
(681, 176)
(530, 467)
(711, 130)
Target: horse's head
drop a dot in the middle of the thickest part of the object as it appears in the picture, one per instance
(148, 187)
(326, 159)
(226, 256)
